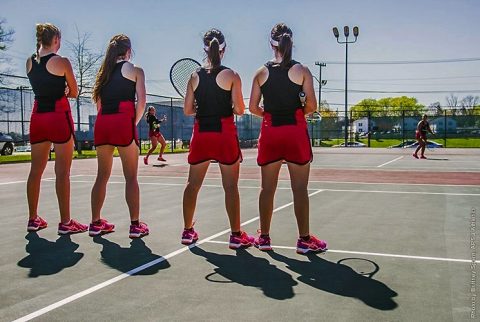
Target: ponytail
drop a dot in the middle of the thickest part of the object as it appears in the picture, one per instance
(117, 47)
(214, 44)
(281, 39)
(285, 49)
(214, 53)
(45, 33)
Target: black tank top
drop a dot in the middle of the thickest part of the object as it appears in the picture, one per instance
(424, 127)
(152, 121)
(213, 102)
(280, 94)
(118, 89)
(47, 87)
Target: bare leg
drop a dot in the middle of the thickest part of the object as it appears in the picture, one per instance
(424, 145)
(299, 182)
(267, 194)
(154, 146)
(37, 166)
(163, 144)
(230, 175)
(63, 162)
(99, 190)
(195, 179)
(129, 157)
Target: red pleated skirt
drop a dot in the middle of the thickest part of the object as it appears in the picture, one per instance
(55, 127)
(290, 143)
(117, 129)
(222, 147)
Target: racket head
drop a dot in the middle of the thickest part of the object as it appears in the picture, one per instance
(180, 73)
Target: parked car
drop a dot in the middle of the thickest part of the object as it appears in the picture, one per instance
(23, 148)
(403, 144)
(351, 144)
(430, 145)
(6, 144)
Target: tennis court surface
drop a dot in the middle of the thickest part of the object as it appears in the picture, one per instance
(400, 234)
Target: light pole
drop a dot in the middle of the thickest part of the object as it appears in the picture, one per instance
(321, 82)
(346, 32)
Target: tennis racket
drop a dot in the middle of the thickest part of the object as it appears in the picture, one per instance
(181, 72)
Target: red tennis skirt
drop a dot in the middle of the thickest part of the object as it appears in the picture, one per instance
(156, 134)
(56, 126)
(117, 129)
(221, 146)
(285, 142)
(419, 135)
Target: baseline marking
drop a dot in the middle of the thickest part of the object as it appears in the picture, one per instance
(371, 254)
(391, 161)
(136, 270)
(288, 188)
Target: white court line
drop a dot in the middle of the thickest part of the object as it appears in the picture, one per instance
(391, 161)
(289, 188)
(136, 270)
(372, 254)
(44, 179)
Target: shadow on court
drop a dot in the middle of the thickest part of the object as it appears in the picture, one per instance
(248, 270)
(46, 257)
(125, 259)
(340, 279)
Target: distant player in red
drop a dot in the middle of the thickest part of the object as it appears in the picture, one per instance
(154, 134)
(217, 91)
(52, 80)
(284, 135)
(117, 85)
(421, 135)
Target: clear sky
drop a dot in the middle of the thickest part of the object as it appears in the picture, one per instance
(390, 30)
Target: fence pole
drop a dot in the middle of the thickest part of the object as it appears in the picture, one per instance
(369, 122)
(403, 127)
(171, 123)
(21, 112)
(445, 128)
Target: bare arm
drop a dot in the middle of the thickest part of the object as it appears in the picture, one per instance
(419, 126)
(255, 96)
(141, 94)
(70, 78)
(237, 96)
(189, 103)
(307, 86)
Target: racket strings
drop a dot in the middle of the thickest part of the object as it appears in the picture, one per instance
(180, 74)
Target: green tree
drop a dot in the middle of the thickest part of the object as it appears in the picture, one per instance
(365, 106)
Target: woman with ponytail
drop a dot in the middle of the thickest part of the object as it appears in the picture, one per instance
(214, 94)
(154, 134)
(284, 135)
(52, 80)
(117, 85)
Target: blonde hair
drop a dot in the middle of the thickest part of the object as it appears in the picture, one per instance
(45, 34)
(151, 107)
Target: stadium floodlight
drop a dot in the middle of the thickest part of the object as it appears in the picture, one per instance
(335, 32)
(355, 31)
(346, 32)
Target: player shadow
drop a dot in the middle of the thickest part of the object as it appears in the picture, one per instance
(128, 259)
(46, 257)
(340, 279)
(248, 270)
(160, 165)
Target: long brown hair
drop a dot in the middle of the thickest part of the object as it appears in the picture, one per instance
(117, 47)
(281, 33)
(212, 41)
(45, 34)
